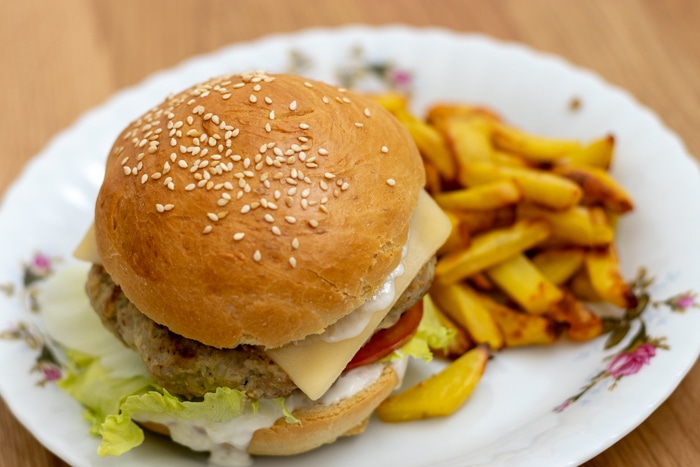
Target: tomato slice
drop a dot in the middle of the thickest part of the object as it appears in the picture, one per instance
(387, 340)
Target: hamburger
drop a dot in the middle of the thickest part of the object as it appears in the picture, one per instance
(263, 243)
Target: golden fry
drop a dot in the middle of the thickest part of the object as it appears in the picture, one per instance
(559, 265)
(459, 237)
(430, 143)
(393, 102)
(538, 186)
(598, 187)
(461, 303)
(469, 139)
(480, 221)
(433, 182)
(485, 197)
(582, 324)
(441, 394)
(576, 226)
(536, 148)
(521, 328)
(607, 280)
(582, 288)
(522, 282)
(491, 248)
(598, 153)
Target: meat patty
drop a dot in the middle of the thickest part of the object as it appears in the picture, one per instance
(189, 368)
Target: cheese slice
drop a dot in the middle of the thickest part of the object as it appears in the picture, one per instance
(313, 366)
(87, 249)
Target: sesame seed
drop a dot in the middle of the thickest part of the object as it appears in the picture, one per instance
(144, 178)
(290, 219)
(257, 256)
(269, 218)
(344, 186)
(346, 100)
(359, 125)
(253, 99)
(308, 85)
(226, 96)
(325, 100)
(257, 87)
(276, 230)
(293, 105)
(212, 216)
(160, 208)
(127, 170)
(329, 175)
(295, 243)
(238, 236)
(367, 112)
(238, 85)
(182, 163)
(245, 208)
(385, 149)
(323, 151)
(293, 261)
(304, 126)
(391, 182)
(168, 207)
(207, 229)
(268, 100)
(272, 114)
(313, 223)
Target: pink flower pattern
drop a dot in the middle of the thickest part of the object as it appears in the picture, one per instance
(629, 363)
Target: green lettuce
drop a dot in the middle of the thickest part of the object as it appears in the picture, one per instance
(111, 402)
(429, 335)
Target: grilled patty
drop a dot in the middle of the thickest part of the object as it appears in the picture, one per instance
(190, 369)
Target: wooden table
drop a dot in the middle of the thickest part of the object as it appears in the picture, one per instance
(59, 59)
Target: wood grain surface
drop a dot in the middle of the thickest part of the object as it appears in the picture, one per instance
(59, 59)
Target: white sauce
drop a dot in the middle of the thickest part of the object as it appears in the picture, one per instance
(354, 323)
(227, 442)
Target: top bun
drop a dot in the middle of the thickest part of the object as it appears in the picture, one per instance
(256, 209)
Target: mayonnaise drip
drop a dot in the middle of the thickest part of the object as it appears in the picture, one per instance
(355, 322)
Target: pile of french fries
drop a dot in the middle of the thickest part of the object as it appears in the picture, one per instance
(533, 234)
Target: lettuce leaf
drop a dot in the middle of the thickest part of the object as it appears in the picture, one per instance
(429, 335)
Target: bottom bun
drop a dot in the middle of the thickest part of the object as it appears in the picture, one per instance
(321, 424)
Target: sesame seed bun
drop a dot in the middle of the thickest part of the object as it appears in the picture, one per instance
(319, 425)
(256, 209)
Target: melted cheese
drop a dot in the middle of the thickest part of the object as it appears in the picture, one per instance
(87, 249)
(316, 364)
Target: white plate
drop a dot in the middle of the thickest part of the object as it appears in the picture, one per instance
(511, 418)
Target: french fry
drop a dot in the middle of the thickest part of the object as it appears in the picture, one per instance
(439, 113)
(459, 237)
(582, 324)
(582, 288)
(461, 342)
(469, 139)
(508, 159)
(559, 265)
(433, 183)
(537, 148)
(480, 282)
(522, 282)
(485, 197)
(479, 221)
(519, 328)
(597, 153)
(598, 186)
(461, 303)
(430, 143)
(577, 225)
(393, 102)
(491, 248)
(441, 394)
(538, 186)
(607, 280)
